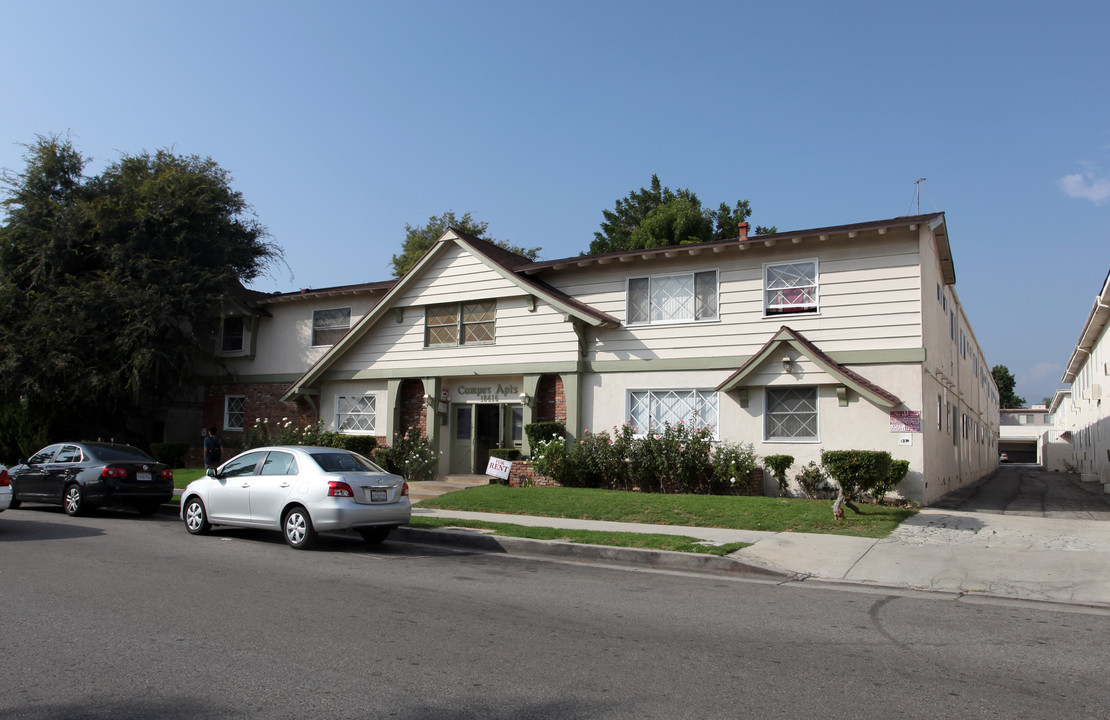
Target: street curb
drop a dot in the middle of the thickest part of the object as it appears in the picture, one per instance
(655, 559)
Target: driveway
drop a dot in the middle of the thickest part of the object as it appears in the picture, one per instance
(1023, 533)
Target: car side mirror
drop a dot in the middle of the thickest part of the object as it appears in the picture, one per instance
(22, 461)
(211, 472)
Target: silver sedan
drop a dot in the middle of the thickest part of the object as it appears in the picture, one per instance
(299, 491)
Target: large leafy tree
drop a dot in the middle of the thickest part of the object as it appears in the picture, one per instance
(109, 283)
(419, 238)
(657, 216)
(1005, 381)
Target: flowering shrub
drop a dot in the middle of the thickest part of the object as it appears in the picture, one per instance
(411, 456)
(284, 432)
(811, 478)
(677, 459)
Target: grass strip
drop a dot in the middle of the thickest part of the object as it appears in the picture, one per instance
(723, 511)
(676, 543)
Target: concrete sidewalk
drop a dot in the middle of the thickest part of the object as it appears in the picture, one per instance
(1042, 559)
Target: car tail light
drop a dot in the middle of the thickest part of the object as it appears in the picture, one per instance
(113, 472)
(339, 489)
(167, 474)
(4, 481)
(405, 489)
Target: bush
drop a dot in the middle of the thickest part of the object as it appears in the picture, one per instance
(549, 457)
(362, 444)
(855, 472)
(170, 453)
(411, 456)
(885, 486)
(508, 454)
(732, 463)
(811, 479)
(779, 464)
(541, 431)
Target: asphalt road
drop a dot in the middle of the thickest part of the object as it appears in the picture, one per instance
(117, 616)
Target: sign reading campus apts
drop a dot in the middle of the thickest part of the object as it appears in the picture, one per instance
(486, 390)
(905, 421)
(499, 468)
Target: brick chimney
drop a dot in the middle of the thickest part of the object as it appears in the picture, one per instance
(743, 231)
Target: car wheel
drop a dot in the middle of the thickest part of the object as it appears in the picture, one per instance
(15, 502)
(297, 528)
(374, 535)
(196, 519)
(73, 501)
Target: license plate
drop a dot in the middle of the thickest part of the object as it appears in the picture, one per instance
(142, 477)
(378, 495)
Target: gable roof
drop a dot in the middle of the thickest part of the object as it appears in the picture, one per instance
(501, 261)
(787, 336)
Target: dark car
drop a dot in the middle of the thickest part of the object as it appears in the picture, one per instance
(82, 475)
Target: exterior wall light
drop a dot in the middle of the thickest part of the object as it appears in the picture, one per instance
(787, 363)
(525, 399)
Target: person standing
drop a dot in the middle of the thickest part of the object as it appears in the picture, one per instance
(212, 449)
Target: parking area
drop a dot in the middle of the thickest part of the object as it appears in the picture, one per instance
(1028, 490)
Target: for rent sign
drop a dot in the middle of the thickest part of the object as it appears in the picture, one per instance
(499, 468)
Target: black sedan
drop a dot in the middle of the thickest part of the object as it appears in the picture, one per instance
(83, 475)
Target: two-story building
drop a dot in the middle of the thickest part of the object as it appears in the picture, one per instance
(840, 337)
(1088, 403)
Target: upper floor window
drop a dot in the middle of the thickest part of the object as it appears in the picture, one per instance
(231, 334)
(459, 324)
(330, 325)
(683, 297)
(790, 287)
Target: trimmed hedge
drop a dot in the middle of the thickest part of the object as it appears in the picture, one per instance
(508, 454)
(543, 431)
(170, 453)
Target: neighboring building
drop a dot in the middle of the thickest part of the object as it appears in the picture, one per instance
(1088, 371)
(1030, 435)
(834, 338)
(1060, 454)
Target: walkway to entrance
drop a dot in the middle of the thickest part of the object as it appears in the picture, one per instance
(448, 483)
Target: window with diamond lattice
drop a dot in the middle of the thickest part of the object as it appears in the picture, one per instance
(790, 287)
(687, 297)
(356, 413)
(234, 411)
(460, 324)
(650, 410)
(791, 414)
(330, 325)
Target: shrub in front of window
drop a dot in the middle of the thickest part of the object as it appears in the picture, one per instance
(676, 460)
(811, 479)
(733, 464)
(779, 464)
(855, 472)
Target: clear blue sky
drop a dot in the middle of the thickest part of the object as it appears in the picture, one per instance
(343, 121)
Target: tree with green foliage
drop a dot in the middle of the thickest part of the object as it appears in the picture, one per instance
(1005, 381)
(660, 217)
(109, 284)
(420, 238)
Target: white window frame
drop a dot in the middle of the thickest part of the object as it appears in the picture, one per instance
(228, 414)
(341, 417)
(768, 390)
(768, 311)
(700, 395)
(329, 328)
(693, 275)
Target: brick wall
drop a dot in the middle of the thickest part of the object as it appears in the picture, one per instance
(414, 412)
(262, 400)
(551, 402)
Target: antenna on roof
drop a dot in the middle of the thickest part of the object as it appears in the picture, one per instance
(917, 193)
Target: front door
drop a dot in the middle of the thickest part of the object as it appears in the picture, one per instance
(476, 429)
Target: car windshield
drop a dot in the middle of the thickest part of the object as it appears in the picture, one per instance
(119, 453)
(344, 462)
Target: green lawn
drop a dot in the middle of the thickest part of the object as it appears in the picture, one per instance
(745, 513)
(677, 543)
(184, 476)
